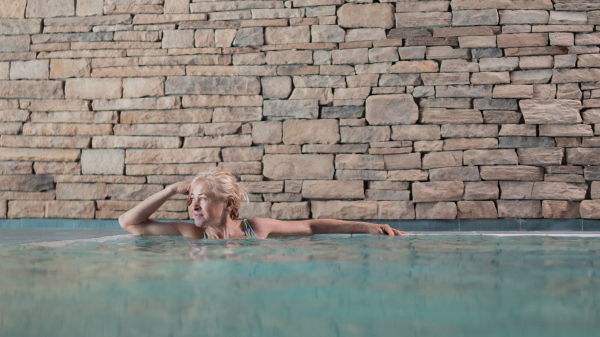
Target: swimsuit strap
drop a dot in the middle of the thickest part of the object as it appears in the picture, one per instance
(247, 229)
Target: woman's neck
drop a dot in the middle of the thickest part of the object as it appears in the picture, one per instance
(227, 228)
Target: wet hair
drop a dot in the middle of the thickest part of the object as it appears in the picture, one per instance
(221, 185)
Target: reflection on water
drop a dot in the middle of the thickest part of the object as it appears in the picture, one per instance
(317, 286)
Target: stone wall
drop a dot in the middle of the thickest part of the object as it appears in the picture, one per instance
(469, 109)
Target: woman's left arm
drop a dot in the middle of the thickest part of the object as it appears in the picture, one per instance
(275, 228)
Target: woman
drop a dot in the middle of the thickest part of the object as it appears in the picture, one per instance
(215, 199)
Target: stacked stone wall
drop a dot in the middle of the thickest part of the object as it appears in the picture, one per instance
(468, 109)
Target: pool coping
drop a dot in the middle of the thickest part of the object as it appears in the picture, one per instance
(406, 225)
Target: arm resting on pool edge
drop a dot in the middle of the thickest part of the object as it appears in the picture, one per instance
(136, 220)
(275, 228)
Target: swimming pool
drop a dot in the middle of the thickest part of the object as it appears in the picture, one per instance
(423, 285)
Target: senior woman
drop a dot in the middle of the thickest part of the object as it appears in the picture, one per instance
(215, 198)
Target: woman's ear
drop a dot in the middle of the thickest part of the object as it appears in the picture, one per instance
(230, 203)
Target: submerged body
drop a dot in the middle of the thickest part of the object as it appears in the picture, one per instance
(214, 199)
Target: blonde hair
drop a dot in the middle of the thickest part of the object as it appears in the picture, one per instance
(221, 185)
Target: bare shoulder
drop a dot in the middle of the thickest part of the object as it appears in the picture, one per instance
(156, 228)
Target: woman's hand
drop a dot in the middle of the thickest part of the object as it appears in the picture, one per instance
(182, 187)
(387, 230)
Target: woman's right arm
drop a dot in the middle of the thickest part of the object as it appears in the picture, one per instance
(136, 220)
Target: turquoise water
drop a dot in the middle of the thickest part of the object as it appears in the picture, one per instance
(317, 286)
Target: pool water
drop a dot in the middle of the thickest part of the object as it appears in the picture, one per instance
(315, 286)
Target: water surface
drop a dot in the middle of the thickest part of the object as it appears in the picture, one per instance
(317, 286)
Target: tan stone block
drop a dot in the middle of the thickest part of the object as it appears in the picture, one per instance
(40, 142)
(140, 87)
(333, 189)
(481, 190)
(47, 129)
(27, 183)
(55, 105)
(56, 168)
(29, 154)
(518, 130)
(239, 168)
(221, 85)
(390, 195)
(174, 156)
(276, 87)
(131, 191)
(178, 39)
(13, 9)
(359, 162)
(526, 209)
(101, 117)
(540, 156)
(470, 143)
(589, 209)
(68, 191)
(513, 91)
(139, 71)
(284, 35)
(298, 166)
(442, 159)
(242, 154)
(243, 114)
(267, 132)
(316, 81)
(6, 195)
(558, 190)
(450, 116)
(583, 156)
(26, 209)
(324, 131)
(490, 78)
(477, 210)
(436, 210)
(414, 67)
(290, 210)
(208, 101)
(344, 209)
(428, 146)
(289, 57)
(391, 109)
(118, 179)
(437, 191)
(415, 132)
(155, 103)
(48, 9)
(551, 112)
(167, 169)
(216, 129)
(89, 7)
(102, 162)
(327, 33)
(15, 167)
(10, 128)
(469, 130)
(14, 43)
(14, 115)
(559, 209)
(407, 175)
(575, 75)
(490, 157)
(324, 95)
(29, 70)
(218, 141)
(93, 88)
(434, 18)
(167, 116)
(65, 68)
(402, 161)
(255, 210)
(66, 209)
(368, 15)
(364, 134)
(32, 89)
(135, 142)
(516, 189)
(454, 174)
(520, 173)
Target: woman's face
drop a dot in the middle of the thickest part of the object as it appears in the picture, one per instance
(206, 211)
